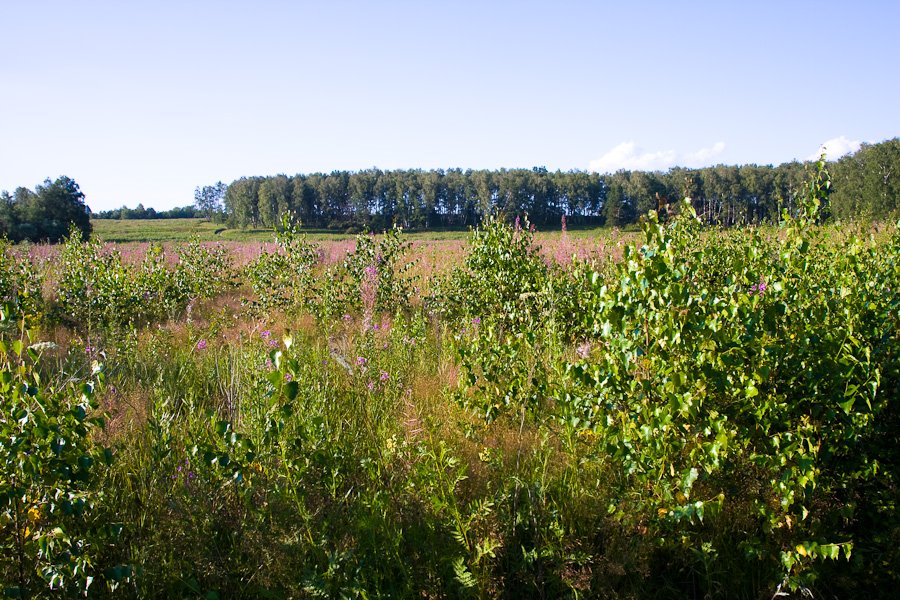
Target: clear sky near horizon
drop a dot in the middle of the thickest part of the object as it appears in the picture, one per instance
(142, 102)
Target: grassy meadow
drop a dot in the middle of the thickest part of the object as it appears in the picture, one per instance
(676, 413)
(183, 230)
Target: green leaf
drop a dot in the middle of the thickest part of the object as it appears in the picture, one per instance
(847, 405)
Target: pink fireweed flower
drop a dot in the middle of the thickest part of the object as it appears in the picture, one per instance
(759, 288)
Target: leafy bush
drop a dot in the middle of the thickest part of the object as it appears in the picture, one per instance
(96, 289)
(766, 396)
(375, 277)
(49, 462)
(285, 279)
(20, 287)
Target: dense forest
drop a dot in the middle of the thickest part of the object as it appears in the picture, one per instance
(865, 186)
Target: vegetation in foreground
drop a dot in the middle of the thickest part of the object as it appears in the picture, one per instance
(713, 415)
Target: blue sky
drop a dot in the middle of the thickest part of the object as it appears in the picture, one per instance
(142, 102)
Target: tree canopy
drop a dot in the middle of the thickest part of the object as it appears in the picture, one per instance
(45, 214)
(866, 185)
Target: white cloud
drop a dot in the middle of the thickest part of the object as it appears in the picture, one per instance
(836, 148)
(628, 155)
(703, 156)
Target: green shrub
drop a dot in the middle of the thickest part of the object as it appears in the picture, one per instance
(49, 463)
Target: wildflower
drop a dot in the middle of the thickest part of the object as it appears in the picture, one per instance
(385, 376)
(288, 377)
(201, 345)
(371, 386)
(273, 343)
(476, 321)
(347, 317)
(360, 361)
(583, 350)
(266, 334)
(759, 288)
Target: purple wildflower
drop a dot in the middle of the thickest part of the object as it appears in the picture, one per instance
(265, 334)
(385, 376)
(759, 288)
(476, 321)
(360, 361)
(201, 345)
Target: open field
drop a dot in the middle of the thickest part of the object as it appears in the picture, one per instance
(708, 413)
(183, 230)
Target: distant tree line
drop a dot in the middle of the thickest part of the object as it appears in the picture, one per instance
(866, 185)
(208, 202)
(179, 212)
(45, 214)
